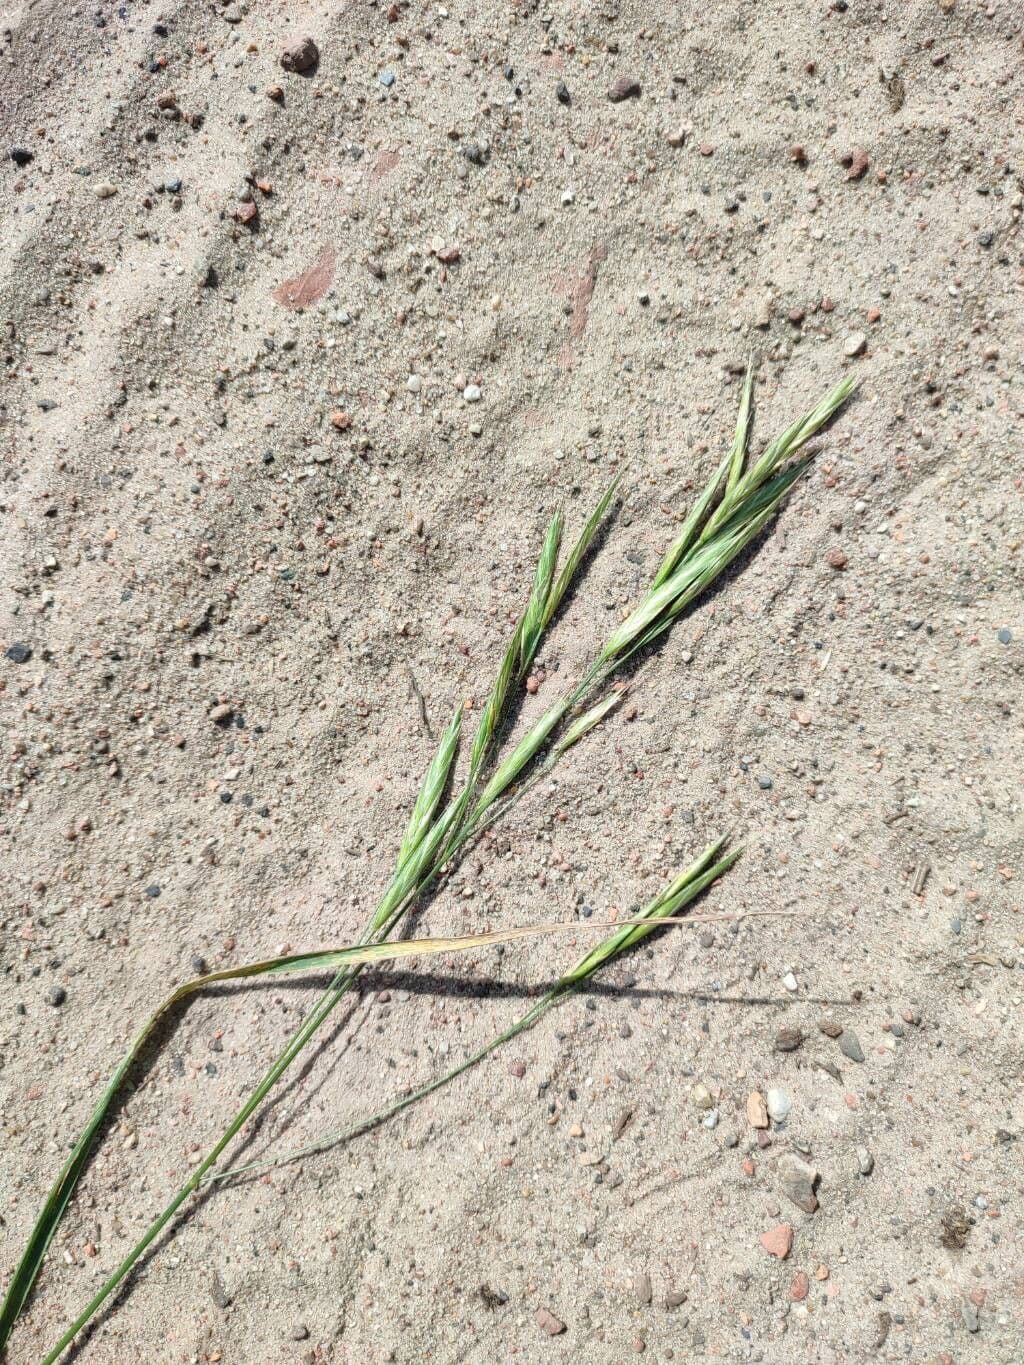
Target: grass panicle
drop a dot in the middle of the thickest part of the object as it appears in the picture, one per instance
(712, 535)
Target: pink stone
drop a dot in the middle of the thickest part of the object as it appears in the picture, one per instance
(778, 1240)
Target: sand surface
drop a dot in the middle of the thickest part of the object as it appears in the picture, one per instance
(221, 489)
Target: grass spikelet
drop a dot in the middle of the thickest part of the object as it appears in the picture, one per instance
(432, 789)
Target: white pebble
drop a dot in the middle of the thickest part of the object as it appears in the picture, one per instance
(779, 1104)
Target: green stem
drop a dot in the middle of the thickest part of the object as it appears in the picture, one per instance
(333, 995)
(526, 1021)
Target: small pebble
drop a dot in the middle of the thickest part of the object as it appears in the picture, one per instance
(849, 1046)
(865, 1161)
(778, 1241)
(18, 653)
(788, 1039)
(547, 1322)
(219, 1295)
(625, 88)
(300, 55)
(56, 996)
(855, 344)
(757, 1110)
(700, 1097)
(858, 162)
(797, 1178)
(778, 1103)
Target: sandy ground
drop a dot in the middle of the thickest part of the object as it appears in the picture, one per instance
(216, 497)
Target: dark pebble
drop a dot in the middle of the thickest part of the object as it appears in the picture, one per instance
(986, 238)
(1004, 635)
(56, 996)
(21, 156)
(849, 1046)
(19, 653)
(625, 88)
(562, 93)
(300, 55)
(765, 783)
(153, 891)
(788, 1039)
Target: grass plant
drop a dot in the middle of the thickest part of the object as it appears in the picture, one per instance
(735, 506)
